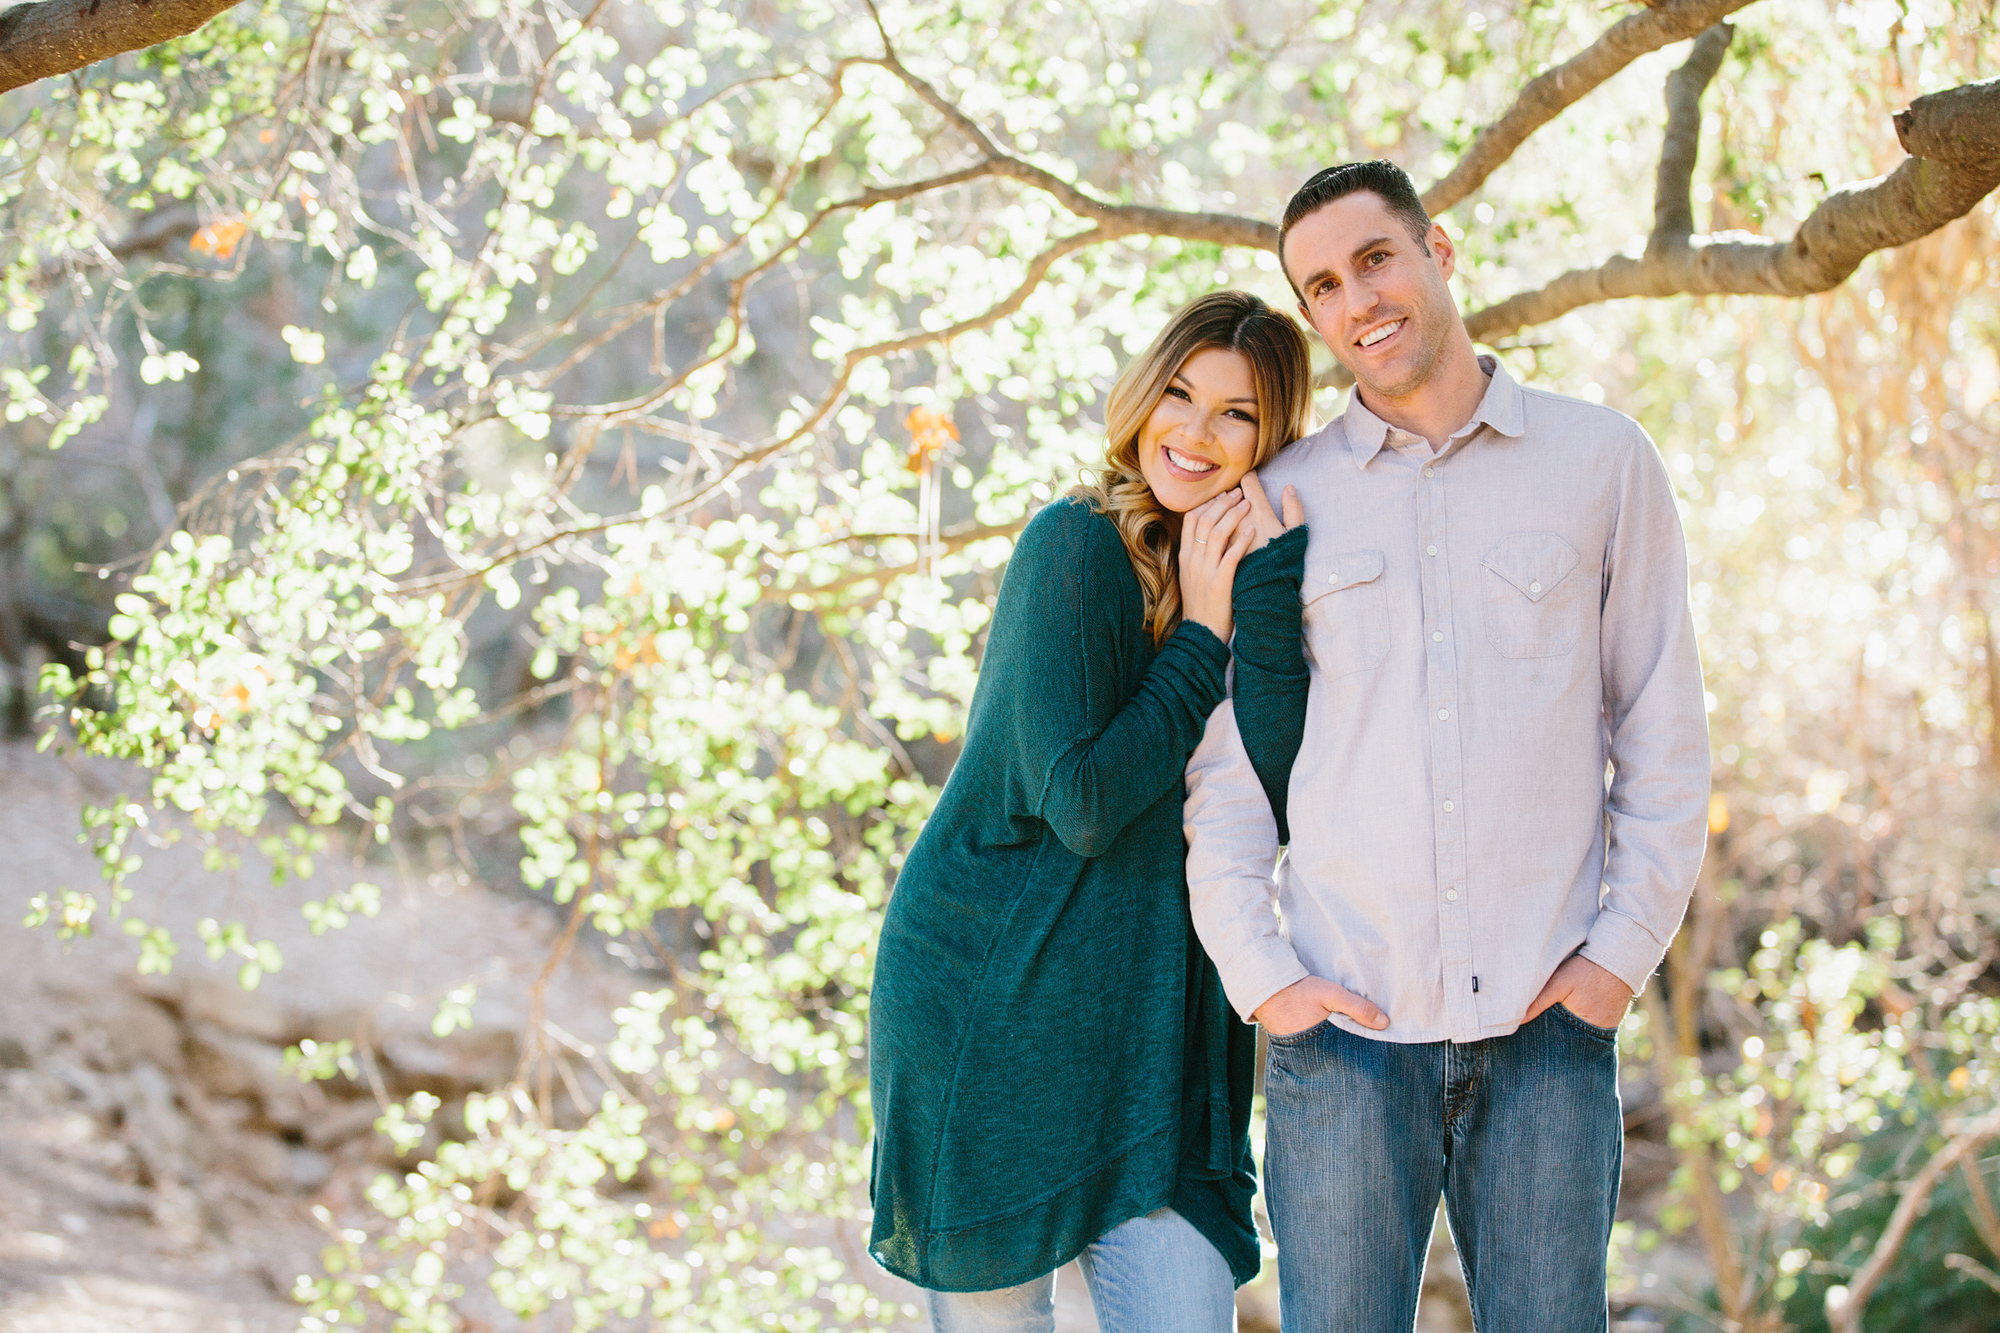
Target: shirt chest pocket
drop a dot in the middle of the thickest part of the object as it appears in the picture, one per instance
(1346, 611)
(1534, 600)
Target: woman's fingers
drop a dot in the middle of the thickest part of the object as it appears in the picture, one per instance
(1260, 503)
(1228, 521)
(1203, 521)
(1295, 512)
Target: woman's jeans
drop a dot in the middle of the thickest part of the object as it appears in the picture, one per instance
(1153, 1274)
(1521, 1134)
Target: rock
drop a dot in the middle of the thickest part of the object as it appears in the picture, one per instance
(229, 1065)
(463, 1062)
(223, 1003)
(154, 1124)
(262, 1158)
(310, 1169)
(13, 1055)
(140, 1032)
(340, 1121)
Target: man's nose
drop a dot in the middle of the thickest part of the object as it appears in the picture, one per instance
(1362, 299)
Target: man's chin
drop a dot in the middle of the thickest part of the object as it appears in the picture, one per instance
(1399, 382)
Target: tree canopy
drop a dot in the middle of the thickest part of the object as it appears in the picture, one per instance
(589, 437)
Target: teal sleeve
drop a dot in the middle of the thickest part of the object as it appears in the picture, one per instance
(1271, 673)
(1094, 763)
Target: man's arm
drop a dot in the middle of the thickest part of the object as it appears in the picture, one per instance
(1656, 718)
(1232, 843)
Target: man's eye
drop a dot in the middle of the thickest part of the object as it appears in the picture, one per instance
(1378, 256)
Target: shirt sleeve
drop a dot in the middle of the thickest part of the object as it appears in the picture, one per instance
(1271, 676)
(1092, 761)
(1656, 723)
(1232, 856)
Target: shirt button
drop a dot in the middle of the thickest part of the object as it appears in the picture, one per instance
(1447, 807)
(1451, 895)
(1444, 715)
(1437, 636)
(1430, 550)
(1430, 472)
(1535, 587)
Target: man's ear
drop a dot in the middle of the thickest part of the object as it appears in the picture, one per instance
(1441, 248)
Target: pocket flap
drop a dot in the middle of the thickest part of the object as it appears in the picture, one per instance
(1337, 570)
(1533, 562)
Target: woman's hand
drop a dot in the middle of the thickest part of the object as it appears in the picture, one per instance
(1214, 537)
(1263, 519)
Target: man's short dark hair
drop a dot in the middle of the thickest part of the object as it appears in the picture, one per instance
(1382, 177)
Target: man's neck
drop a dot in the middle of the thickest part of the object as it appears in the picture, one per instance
(1443, 403)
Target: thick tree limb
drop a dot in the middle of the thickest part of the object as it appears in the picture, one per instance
(1954, 141)
(1552, 93)
(48, 37)
(1673, 204)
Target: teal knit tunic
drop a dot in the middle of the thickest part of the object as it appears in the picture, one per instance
(1051, 1052)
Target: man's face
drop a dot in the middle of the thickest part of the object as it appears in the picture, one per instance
(1373, 293)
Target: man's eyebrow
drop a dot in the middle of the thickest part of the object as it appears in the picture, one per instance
(1368, 245)
(1182, 380)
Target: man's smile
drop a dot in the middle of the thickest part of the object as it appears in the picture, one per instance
(1379, 333)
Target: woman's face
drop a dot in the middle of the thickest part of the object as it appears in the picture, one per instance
(1202, 435)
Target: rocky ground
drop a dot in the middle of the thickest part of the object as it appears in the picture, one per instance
(160, 1173)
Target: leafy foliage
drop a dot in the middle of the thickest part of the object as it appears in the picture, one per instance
(540, 383)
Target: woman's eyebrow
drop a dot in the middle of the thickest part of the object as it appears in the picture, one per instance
(1182, 380)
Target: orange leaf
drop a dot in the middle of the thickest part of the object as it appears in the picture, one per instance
(220, 237)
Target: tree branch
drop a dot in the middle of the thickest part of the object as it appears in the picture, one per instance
(1115, 219)
(1554, 92)
(1954, 141)
(49, 37)
(1673, 206)
(1845, 1305)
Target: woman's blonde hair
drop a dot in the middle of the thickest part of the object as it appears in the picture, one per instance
(1281, 369)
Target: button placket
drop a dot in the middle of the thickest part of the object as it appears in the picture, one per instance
(1447, 762)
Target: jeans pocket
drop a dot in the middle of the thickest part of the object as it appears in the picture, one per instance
(1296, 1038)
(1563, 1012)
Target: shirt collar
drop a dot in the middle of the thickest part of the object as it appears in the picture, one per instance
(1502, 407)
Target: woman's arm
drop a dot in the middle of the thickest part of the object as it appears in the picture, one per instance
(1091, 761)
(1269, 695)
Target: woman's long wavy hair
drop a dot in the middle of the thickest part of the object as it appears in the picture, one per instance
(1281, 369)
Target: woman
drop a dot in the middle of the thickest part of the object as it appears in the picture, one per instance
(1055, 1072)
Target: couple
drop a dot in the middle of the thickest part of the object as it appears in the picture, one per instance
(1472, 686)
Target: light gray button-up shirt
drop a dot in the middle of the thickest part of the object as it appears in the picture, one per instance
(1506, 744)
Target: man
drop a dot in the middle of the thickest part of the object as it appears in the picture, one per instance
(1495, 613)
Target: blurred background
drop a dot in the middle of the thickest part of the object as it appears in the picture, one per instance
(499, 506)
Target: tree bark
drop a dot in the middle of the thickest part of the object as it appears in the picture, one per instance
(1954, 143)
(49, 37)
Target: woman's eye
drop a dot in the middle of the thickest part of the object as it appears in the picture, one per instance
(1241, 415)
(1176, 391)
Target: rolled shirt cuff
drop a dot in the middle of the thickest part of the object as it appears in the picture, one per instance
(1624, 948)
(1259, 971)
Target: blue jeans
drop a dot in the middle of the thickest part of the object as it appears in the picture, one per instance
(1153, 1274)
(1522, 1135)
